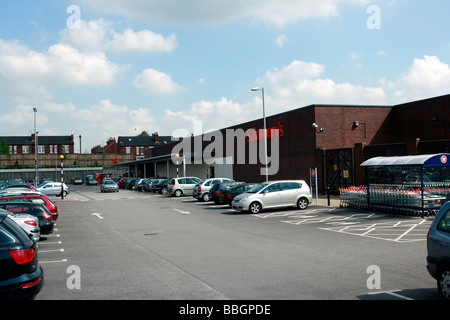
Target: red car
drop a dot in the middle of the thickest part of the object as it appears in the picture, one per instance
(41, 199)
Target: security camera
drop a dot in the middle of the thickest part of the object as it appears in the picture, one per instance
(315, 126)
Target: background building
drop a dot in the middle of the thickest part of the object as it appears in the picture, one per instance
(46, 144)
(335, 139)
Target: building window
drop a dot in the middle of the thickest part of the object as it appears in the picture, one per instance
(65, 149)
(41, 149)
(25, 149)
(12, 149)
(128, 150)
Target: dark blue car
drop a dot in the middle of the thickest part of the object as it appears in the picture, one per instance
(21, 276)
(438, 246)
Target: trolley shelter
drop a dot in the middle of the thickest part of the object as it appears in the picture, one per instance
(411, 185)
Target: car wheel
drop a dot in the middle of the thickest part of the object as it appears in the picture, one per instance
(206, 197)
(164, 191)
(178, 193)
(302, 203)
(255, 207)
(443, 284)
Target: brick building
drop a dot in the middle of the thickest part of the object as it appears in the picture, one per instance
(135, 145)
(335, 139)
(23, 145)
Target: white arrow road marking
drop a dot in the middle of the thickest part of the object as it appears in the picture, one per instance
(98, 215)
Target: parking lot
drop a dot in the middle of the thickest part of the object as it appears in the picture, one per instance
(139, 245)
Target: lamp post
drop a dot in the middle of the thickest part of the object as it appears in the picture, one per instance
(36, 177)
(265, 129)
(62, 176)
(177, 156)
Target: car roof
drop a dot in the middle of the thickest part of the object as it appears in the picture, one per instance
(28, 204)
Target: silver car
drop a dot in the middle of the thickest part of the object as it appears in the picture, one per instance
(109, 186)
(181, 186)
(27, 222)
(438, 250)
(53, 189)
(275, 194)
(201, 189)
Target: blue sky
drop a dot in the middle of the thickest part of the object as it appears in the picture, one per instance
(105, 69)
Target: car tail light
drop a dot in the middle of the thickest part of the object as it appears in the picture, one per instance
(31, 223)
(216, 192)
(199, 189)
(22, 256)
(47, 216)
(227, 195)
(31, 283)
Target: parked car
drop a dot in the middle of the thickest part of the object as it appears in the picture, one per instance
(152, 185)
(147, 185)
(27, 222)
(40, 199)
(274, 194)
(44, 215)
(181, 186)
(20, 185)
(217, 189)
(129, 183)
(121, 183)
(160, 186)
(201, 189)
(227, 195)
(438, 250)
(91, 182)
(53, 188)
(18, 191)
(139, 185)
(109, 186)
(77, 181)
(21, 274)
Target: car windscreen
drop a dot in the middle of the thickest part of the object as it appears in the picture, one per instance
(257, 188)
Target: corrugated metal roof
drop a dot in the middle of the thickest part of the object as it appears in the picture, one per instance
(430, 160)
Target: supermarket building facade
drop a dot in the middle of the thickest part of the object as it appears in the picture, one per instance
(335, 139)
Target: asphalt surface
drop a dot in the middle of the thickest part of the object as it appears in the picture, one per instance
(140, 246)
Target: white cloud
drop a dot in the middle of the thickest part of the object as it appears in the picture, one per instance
(154, 82)
(277, 12)
(425, 78)
(281, 40)
(61, 65)
(99, 35)
(301, 83)
(146, 41)
(106, 119)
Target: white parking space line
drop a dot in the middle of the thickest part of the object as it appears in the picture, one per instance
(55, 250)
(409, 230)
(54, 261)
(392, 293)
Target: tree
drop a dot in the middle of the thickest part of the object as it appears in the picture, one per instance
(4, 148)
(143, 134)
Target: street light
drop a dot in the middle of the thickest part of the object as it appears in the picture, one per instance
(36, 177)
(265, 129)
(62, 176)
